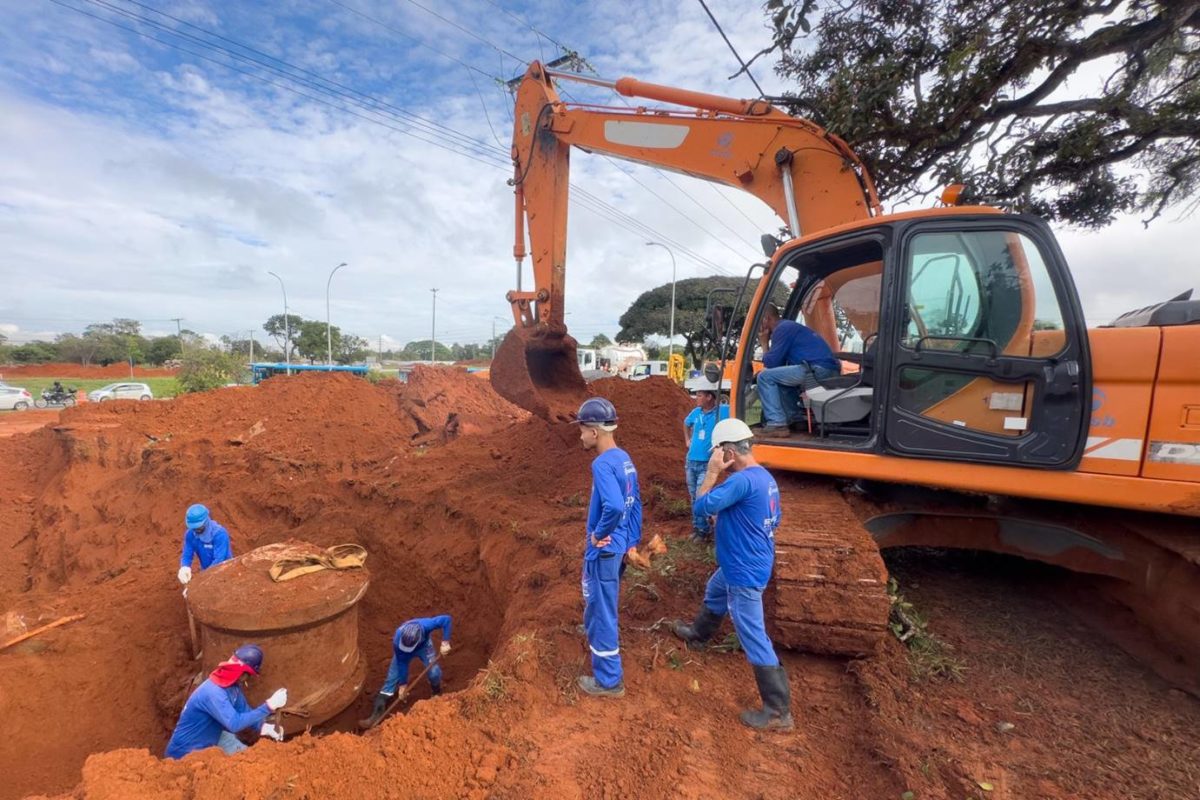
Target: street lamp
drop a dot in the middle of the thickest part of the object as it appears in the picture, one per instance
(287, 327)
(328, 329)
(433, 333)
(671, 341)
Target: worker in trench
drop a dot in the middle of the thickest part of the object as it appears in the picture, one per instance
(205, 540)
(746, 505)
(697, 438)
(412, 640)
(614, 528)
(217, 710)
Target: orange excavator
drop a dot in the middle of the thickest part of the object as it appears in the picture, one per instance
(975, 407)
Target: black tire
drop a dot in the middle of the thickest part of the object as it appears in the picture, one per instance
(21, 406)
(104, 399)
(40, 402)
(70, 401)
(145, 397)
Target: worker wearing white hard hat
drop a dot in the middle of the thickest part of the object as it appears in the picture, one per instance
(746, 505)
(698, 426)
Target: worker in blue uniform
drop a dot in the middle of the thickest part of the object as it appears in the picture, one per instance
(746, 505)
(413, 640)
(614, 526)
(205, 539)
(697, 437)
(217, 709)
(795, 357)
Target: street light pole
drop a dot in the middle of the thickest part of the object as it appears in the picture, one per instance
(328, 329)
(287, 327)
(433, 333)
(671, 341)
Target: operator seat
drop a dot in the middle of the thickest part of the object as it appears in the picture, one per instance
(844, 398)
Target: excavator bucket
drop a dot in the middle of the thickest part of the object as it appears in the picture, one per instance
(539, 372)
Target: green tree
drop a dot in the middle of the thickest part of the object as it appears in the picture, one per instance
(207, 368)
(650, 314)
(937, 91)
(276, 327)
(36, 352)
(162, 348)
(600, 340)
(419, 351)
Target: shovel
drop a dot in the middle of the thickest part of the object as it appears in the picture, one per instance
(372, 721)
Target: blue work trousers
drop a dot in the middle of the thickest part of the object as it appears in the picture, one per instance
(694, 470)
(601, 590)
(779, 390)
(230, 744)
(744, 606)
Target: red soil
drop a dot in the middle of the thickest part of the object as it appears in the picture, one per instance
(70, 370)
(483, 519)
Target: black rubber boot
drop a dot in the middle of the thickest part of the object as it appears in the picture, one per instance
(701, 629)
(776, 713)
(435, 689)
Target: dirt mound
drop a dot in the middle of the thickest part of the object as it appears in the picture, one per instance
(470, 507)
(69, 370)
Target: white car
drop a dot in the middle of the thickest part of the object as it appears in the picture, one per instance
(121, 391)
(647, 369)
(14, 398)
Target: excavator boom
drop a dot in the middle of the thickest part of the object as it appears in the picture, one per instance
(810, 177)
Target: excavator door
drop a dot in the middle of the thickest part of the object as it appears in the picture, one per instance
(987, 345)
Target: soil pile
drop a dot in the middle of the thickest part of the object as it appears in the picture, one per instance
(61, 370)
(484, 521)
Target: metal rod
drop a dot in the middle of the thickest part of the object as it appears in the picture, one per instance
(575, 76)
(789, 195)
(328, 328)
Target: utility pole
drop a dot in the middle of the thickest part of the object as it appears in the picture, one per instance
(179, 330)
(328, 329)
(381, 349)
(433, 333)
(252, 345)
(671, 341)
(287, 328)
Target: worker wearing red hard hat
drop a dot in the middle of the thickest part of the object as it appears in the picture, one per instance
(217, 710)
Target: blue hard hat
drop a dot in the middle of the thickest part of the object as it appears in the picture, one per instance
(249, 654)
(596, 411)
(410, 636)
(197, 515)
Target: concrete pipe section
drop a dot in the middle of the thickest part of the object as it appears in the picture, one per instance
(307, 628)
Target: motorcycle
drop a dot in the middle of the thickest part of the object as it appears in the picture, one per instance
(49, 397)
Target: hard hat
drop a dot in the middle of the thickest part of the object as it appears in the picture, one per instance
(596, 411)
(249, 654)
(410, 636)
(730, 430)
(701, 384)
(197, 515)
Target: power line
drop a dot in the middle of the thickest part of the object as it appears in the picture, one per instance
(467, 31)
(732, 49)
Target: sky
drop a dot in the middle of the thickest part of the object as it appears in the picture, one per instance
(139, 180)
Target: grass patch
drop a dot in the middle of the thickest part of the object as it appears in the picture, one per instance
(928, 656)
(493, 682)
(161, 387)
(671, 506)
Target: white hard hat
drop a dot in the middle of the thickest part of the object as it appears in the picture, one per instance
(700, 384)
(731, 430)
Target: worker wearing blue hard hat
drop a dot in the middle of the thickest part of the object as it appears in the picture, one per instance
(217, 710)
(412, 640)
(205, 539)
(614, 526)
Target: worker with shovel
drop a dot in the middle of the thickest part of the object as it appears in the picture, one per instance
(614, 526)
(746, 505)
(217, 709)
(205, 539)
(412, 640)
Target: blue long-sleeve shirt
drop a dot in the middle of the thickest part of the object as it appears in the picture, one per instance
(400, 659)
(793, 343)
(210, 544)
(747, 509)
(210, 710)
(616, 506)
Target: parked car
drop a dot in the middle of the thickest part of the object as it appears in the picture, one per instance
(645, 369)
(14, 398)
(121, 391)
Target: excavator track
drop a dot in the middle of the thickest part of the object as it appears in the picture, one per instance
(829, 591)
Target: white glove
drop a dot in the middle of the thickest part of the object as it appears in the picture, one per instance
(277, 700)
(445, 648)
(185, 575)
(271, 731)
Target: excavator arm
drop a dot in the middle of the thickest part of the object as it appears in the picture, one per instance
(809, 177)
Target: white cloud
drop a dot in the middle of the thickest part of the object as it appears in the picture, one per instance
(173, 191)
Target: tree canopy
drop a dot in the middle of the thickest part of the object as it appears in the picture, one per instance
(1076, 110)
(650, 314)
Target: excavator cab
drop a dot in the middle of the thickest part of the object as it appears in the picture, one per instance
(959, 335)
